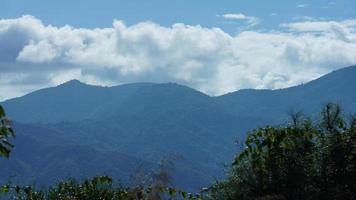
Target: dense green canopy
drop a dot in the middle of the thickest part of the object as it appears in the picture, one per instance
(299, 161)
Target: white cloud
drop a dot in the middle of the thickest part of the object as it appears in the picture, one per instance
(302, 5)
(323, 26)
(305, 18)
(344, 30)
(207, 59)
(250, 20)
(38, 53)
(238, 16)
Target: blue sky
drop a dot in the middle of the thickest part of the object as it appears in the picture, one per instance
(94, 13)
(213, 46)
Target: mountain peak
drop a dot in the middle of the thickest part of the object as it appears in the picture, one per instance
(73, 82)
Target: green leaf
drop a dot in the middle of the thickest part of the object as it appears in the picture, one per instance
(2, 112)
(4, 189)
(4, 151)
(172, 191)
(184, 194)
(17, 189)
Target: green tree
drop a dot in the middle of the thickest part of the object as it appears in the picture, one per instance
(5, 132)
(303, 160)
(337, 155)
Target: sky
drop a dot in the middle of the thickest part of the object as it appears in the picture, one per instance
(213, 46)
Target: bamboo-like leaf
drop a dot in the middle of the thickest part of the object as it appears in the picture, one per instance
(2, 112)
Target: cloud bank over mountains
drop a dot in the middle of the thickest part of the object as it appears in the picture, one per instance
(34, 55)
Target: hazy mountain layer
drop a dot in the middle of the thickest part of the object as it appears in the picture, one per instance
(77, 129)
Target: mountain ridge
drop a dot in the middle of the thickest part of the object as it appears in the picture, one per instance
(149, 121)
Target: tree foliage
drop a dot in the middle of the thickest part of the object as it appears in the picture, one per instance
(97, 188)
(300, 161)
(5, 132)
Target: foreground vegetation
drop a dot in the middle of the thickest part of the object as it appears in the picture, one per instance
(302, 160)
(102, 188)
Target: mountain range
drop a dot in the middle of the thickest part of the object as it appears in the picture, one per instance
(78, 130)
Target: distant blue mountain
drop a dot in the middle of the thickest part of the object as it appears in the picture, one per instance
(42, 157)
(275, 105)
(144, 122)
